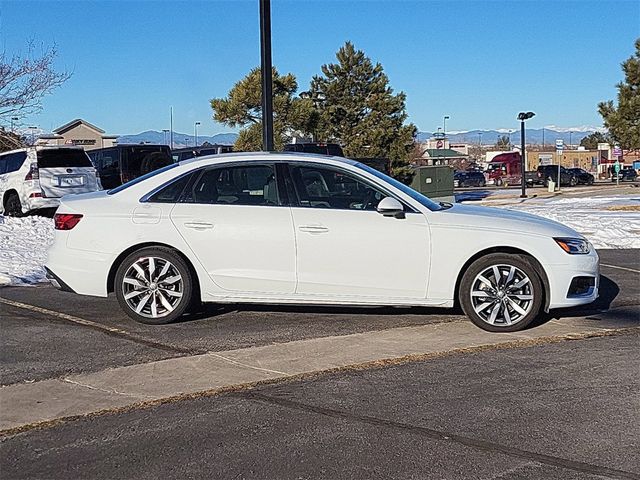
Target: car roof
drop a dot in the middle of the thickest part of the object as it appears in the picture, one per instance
(270, 156)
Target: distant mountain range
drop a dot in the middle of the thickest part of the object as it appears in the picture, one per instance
(486, 137)
(179, 139)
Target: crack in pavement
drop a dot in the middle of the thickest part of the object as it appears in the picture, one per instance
(444, 436)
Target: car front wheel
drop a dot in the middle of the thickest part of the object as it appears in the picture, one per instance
(12, 206)
(501, 292)
(154, 285)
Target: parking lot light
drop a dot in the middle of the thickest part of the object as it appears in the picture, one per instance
(523, 116)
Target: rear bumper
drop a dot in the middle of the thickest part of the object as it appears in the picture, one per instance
(78, 271)
(58, 282)
(38, 203)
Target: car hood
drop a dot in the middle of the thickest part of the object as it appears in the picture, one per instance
(499, 219)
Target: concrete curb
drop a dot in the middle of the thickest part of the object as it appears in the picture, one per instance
(34, 405)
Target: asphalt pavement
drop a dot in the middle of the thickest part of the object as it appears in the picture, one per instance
(561, 411)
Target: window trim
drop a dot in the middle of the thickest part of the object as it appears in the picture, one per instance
(296, 202)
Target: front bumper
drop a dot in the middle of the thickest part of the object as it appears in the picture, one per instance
(580, 269)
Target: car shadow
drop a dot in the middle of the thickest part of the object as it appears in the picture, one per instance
(609, 290)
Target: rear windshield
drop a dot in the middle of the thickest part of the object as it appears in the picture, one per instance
(142, 160)
(63, 157)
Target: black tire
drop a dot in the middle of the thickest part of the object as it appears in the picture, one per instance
(573, 181)
(484, 183)
(178, 294)
(461, 184)
(12, 206)
(590, 181)
(501, 301)
(499, 182)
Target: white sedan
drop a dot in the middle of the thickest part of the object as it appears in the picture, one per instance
(304, 229)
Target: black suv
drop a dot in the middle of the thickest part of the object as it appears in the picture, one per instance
(550, 172)
(583, 177)
(627, 174)
(469, 178)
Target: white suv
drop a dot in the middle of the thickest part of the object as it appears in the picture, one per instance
(37, 177)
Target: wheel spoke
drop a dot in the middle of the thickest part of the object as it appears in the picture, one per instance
(520, 284)
(134, 281)
(151, 268)
(520, 297)
(164, 301)
(143, 302)
(482, 307)
(171, 280)
(497, 275)
(507, 317)
(486, 281)
(154, 305)
(171, 293)
(516, 307)
(164, 270)
(512, 272)
(135, 293)
(494, 313)
(140, 271)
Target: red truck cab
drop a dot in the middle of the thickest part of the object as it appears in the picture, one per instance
(505, 169)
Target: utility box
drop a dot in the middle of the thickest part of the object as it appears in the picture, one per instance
(435, 182)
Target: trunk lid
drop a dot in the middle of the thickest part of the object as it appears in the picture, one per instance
(64, 171)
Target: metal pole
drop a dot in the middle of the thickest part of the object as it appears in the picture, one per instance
(195, 133)
(266, 71)
(171, 129)
(522, 162)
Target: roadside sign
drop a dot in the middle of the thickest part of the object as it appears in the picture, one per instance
(617, 151)
(439, 144)
(603, 146)
(617, 166)
(559, 145)
(546, 159)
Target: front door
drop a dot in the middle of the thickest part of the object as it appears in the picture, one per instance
(345, 248)
(236, 225)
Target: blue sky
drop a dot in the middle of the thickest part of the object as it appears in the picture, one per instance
(480, 62)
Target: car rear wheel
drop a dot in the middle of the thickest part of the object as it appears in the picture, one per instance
(573, 181)
(499, 182)
(154, 285)
(501, 292)
(12, 206)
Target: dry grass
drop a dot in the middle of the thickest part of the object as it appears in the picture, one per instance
(625, 208)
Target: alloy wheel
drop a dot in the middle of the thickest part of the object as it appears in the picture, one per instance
(152, 287)
(502, 295)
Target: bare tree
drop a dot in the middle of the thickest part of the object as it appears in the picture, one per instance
(10, 140)
(26, 79)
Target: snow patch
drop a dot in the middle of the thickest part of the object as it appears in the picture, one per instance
(23, 249)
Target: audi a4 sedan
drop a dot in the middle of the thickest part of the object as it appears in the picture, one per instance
(291, 228)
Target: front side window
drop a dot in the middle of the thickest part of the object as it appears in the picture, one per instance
(236, 185)
(323, 187)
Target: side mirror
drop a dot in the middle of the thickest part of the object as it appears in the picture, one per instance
(390, 207)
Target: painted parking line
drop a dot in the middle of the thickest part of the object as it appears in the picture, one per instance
(620, 268)
(114, 331)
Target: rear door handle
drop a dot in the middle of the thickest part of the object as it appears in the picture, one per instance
(313, 229)
(198, 225)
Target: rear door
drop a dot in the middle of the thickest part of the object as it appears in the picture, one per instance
(63, 171)
(235, 221)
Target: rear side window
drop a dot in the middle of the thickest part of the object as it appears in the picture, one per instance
(142, 160)
(63, 157)
(172, 192)
(135, 181)
(12, 162)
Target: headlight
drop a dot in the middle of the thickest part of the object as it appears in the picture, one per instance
(574, 246)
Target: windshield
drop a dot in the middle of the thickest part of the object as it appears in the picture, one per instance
(141, 179)
(417, 196)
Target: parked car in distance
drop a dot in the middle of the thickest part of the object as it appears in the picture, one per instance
(533, 178)
(35, 178)
(469, 179)
(180, 154)
(626, 174)
(119, 164)
(582, 176)
(550, 172)
(315, 147)
(284, 228)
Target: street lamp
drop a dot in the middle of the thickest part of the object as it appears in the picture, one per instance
(195, 133)
(13, 120)
(480, 138)
(523, 116)
(570, 139)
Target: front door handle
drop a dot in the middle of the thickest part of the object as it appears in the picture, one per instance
(313, 229)
(198, 225)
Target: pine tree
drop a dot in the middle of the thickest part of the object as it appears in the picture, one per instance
(590, 142)
(623, 121)
(359, 110)
(243, 108)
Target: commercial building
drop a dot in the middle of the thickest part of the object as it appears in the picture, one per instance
(79, 132)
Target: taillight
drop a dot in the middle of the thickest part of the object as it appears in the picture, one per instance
(34, 173)
(36, 195)
(66, 221)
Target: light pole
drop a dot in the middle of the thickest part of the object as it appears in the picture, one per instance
(195, 133)
(480, 138)
(266, 74)
(570, 139)
(444, 128)
(33, 130)
(165, 132)
(523, 116)
(171, 129)
(13, 120)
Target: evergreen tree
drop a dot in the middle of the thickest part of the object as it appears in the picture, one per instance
(359, 110)
(243, 108)
(623, 120)
(590, 142)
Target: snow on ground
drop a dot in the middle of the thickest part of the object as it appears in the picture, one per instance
(603, 220)
(23, 249)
